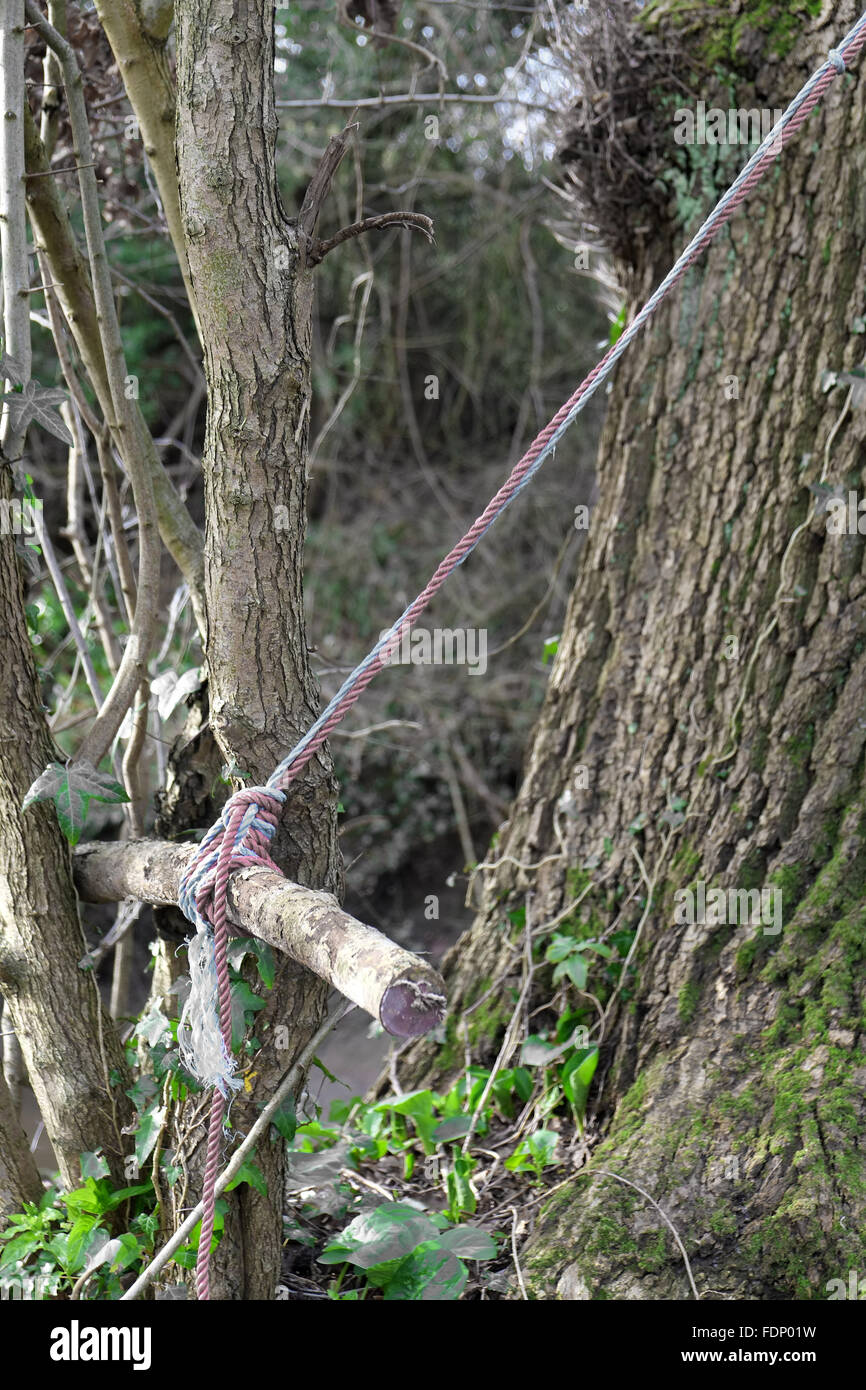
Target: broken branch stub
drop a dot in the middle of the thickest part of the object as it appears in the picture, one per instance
(400, 990)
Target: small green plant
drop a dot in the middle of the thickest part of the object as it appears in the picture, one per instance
(571, 962)
(48, 1246)
(536, 1152)
(408, 1254)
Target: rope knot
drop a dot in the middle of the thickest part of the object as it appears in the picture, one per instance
(239, 839)
(835, 57)
(249, 818)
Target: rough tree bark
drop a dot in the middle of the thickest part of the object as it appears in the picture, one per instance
(732, 1078)
(72, 1053)
(253, 301)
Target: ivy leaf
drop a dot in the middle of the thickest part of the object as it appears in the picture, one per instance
(285, 1120)
(250, 945)
(244, 1000)
(35, 402)
(148, 1132)
(251, 1173)
(11, 369)
(72, 788)
(389, 1232)
(469, 1241)
(93, 1165)
(429, 1275)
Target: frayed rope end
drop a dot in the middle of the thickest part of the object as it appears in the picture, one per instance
(202, 1049)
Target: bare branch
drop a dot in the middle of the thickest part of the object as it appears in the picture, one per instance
(133, 665)
(147, 79)
(55, 240)
(410, 99)
(320, 249)
(13, 216)
(320, 184)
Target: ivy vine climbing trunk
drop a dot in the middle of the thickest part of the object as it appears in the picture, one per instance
(253, 302)
(704, 721)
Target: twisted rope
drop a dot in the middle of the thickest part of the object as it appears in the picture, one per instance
(241, 836)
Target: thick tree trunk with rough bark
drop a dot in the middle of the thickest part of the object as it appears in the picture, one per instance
(253, 302)
(711, 680)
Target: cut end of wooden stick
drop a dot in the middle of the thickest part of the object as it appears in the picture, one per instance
(410, 1008)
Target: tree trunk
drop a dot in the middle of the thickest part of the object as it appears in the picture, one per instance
(19, 1176)
(710, 681)
(71, 1050)
(254, 301)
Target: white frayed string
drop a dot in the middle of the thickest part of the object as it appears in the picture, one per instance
(200, 1040)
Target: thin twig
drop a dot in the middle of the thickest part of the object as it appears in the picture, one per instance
(606, 1173)
(411, 99)
(517, 1268)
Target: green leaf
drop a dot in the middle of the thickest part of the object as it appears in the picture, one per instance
(93, 1165)
(72, 789)
(316, 1169)
(426, 1276)
(418, 1105)
(285, 1119)
(575, 968)
(250, 945)
(387, 1233)
(124, 1193)
(561, 947)
(458, 1184)
(86, 1233)
(600, 947)
(244, 1000)
(246, 997)
(537, 1151)
(576, 1077)
(618, 325)
(523, 1083)
(11, 369)
(20, 1247)
(147, 1132)
(470, 1242)
(413, 1103)
(454, 1128)
(249, 1172)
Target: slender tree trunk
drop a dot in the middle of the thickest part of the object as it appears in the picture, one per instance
(19, 1176)
(254, 308)
(710, 681)
(71, 1051)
